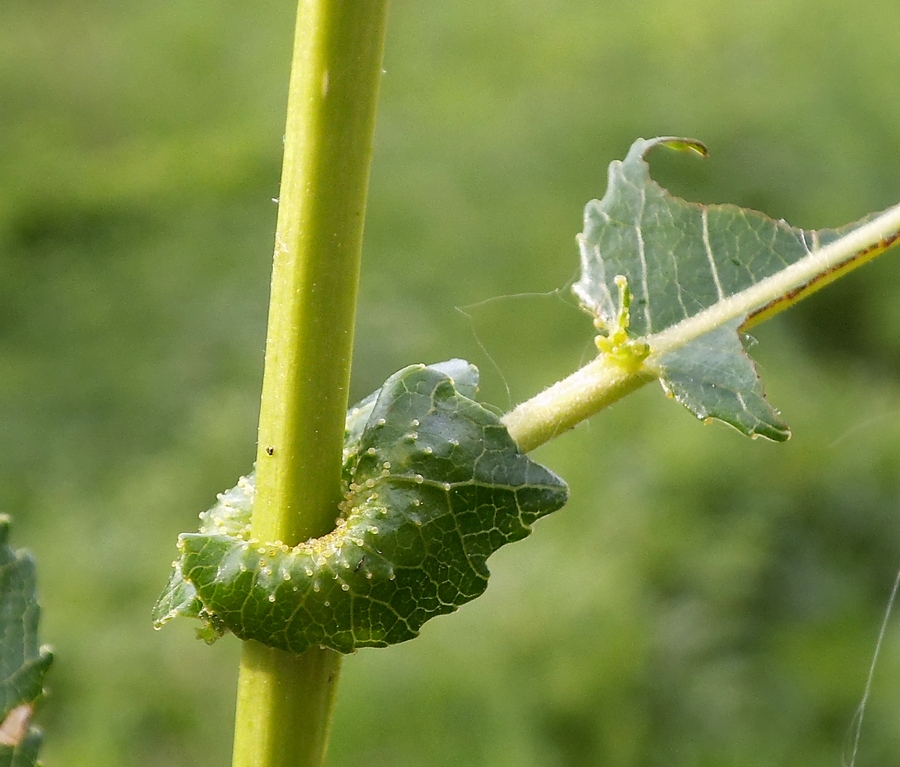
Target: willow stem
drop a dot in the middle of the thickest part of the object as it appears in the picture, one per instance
(284, 701)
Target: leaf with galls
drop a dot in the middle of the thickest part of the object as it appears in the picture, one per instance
(433, 486)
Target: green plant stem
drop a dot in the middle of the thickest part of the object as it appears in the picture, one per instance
(284, 702)
(284, 705)
(567, 403)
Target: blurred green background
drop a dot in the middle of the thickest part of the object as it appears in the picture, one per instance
(703, 600)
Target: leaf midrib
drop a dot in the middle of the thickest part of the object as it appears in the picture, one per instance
(845, 253)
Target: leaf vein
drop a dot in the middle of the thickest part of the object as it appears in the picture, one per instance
(709, 254)
(643, 260)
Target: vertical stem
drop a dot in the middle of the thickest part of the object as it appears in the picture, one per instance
(284, 701)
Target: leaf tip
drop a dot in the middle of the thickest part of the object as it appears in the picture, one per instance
(778, 434)
(688, 145)
(679, 143)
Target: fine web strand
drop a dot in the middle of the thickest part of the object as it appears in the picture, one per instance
(467, 312)
(867, 424)
(486, 353)
(861, 710)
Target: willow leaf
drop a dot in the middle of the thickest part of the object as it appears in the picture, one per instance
(433, 486)
(23, 661)
(672, 284)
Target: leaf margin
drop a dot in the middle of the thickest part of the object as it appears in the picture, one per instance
(658, 350)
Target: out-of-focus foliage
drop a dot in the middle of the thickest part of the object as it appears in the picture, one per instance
(703, 599)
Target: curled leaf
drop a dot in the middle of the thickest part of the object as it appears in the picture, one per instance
(433, 486)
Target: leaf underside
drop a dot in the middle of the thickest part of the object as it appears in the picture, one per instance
(680, 258)
(23, 662)
(434, 485)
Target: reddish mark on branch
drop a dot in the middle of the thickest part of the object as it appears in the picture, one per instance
(15, 725)
(820, 280)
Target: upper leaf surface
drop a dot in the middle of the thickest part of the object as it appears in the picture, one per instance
(434, 485)
(680, 259)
